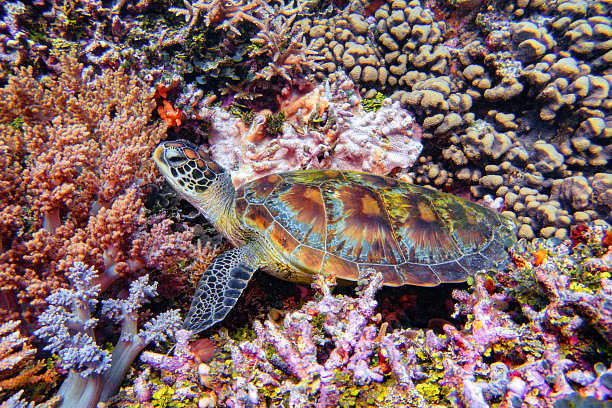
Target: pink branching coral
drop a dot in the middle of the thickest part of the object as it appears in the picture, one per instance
(286, 48)
(336, 351)
(75, 158)
(562, 297)
(293, 352)
(327, 128)
(225, 15)
(179, 368)
(570, 283)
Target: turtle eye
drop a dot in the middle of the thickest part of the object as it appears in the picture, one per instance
(173, 157)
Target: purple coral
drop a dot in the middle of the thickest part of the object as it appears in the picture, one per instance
(16, 402)
(181, 367)
(67, 326)
(349, 335)
(337, 343)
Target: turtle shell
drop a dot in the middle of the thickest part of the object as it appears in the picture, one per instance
(340, 222)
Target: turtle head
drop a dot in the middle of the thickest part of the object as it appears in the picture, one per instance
(193, 174)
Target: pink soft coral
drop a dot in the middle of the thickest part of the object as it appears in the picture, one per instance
(71, 184)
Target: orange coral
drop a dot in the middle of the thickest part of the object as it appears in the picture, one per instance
(74, 154)
(539, 257)
(18, 366)
(172, 116)
(607, 239)
(165, 110)
(313, 104)
(204, 256)
(518, 260)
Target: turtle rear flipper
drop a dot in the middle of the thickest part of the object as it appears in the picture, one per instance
(220, 287)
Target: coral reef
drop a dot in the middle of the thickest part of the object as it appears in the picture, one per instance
(463, 88)
(68, 325)
(213, 45)
(485, 80)
(505, 102)
(75, 164)
(284, 45)
(325, 128)
(19, 367)
(521, 336)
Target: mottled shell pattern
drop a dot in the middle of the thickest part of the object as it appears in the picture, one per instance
(340, 222)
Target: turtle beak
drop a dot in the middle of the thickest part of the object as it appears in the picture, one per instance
(158, 154)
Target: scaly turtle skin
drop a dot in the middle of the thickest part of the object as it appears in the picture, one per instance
(297, 224)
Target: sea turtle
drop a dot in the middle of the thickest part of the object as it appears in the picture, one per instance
(297, 224)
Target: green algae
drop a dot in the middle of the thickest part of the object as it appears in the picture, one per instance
(274, 124)
(374, 103)
(240, 111)
(17, 123)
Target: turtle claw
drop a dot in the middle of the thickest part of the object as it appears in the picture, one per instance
(219, 288)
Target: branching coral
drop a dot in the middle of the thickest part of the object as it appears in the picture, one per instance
(332, 352)
(224, 15)
(565, 287)
(67, 325)
(75, 158)
(268, 366)
(336, 351)
(286, 49)
(563, 295)
(180, 368)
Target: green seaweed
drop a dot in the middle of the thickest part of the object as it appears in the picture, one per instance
(17, 123)
(374, 103)
(274, 124)
(240, 111)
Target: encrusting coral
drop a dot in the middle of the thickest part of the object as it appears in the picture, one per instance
(74, 168)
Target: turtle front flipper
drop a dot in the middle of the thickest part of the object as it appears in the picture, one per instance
(220, 287)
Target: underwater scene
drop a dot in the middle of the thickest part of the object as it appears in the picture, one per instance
(305, 203)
